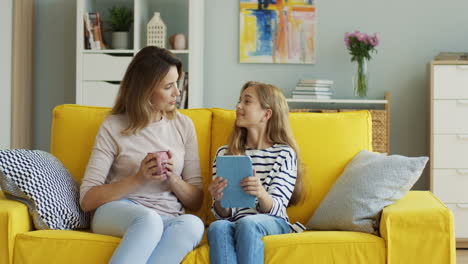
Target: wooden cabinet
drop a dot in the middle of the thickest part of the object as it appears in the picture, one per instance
(99, 72)
(449, 139)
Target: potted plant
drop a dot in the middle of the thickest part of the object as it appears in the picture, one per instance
(120, 20)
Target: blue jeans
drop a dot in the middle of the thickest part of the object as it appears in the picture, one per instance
(241, 241)
(148, 237)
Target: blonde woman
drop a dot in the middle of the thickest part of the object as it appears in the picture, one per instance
(262, 131)
(121, 184)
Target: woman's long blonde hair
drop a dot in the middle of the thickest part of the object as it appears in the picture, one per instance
(278, 129)
(145, 72)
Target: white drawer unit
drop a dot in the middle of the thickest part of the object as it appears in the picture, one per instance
(460, 213)
(450, 185)
(100, 93)
(458, 112)
(104, 67)
(449, 139)
(453, 80)
(450, 151)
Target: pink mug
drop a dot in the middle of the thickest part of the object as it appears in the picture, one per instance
(161, 156)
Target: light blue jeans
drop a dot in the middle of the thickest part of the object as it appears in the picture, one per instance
(241, 241)
(147, 237)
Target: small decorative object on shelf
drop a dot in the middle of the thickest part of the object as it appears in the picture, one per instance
(360, 45)
(156, 31)
(120, 20)
(178, 41)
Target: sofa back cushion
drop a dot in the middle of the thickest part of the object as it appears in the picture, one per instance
(74, 129)
(327, 142)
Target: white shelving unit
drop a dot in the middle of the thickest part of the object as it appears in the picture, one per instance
(99, 72)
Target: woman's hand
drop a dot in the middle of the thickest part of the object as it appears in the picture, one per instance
(172, 178)
(253, 186)
(148, 169)
(216, 188)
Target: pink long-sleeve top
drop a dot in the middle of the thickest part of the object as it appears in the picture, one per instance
(116, 156)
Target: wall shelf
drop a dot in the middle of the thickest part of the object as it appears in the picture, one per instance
(337, 101)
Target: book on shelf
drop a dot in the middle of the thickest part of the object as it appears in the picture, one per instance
(308, 96)
(312, 92)
(312, 88)
(452, 56)
(182, 102)
(315, 82)
(93, 31)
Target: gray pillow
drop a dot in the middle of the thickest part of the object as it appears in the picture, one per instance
(369, 182)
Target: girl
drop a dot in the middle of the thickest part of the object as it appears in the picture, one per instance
(262, 131)
(121, 184)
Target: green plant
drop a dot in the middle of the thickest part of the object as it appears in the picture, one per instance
(120, 18)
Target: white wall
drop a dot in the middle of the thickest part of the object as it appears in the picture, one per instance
(6, 25)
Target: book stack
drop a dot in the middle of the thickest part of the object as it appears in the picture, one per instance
(452, 56)
(182, 84)
(313, 89)
(93, 31)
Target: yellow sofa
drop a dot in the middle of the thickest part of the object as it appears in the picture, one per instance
(416, 229)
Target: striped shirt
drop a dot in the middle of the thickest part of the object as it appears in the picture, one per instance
(276, 167)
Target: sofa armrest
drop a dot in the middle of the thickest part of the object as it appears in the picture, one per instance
(14, 219)
(418, 229)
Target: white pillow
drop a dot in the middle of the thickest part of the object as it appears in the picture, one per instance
(370, 182)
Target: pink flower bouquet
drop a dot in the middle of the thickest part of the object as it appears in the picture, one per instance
(360, 45)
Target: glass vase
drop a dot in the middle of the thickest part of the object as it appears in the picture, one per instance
(360, 77)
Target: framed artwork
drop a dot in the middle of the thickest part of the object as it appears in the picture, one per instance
(277, 31)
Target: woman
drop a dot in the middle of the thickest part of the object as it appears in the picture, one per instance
(130, 199)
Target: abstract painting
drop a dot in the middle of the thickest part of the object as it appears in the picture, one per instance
(277, 31)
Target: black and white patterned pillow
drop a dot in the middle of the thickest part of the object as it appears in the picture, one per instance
(40, 180)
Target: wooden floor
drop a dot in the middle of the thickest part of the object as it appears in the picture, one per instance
(462, 256)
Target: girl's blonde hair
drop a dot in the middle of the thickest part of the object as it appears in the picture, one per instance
(278, 129)
(145, 72)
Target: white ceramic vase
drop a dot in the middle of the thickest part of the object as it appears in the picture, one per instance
(156, 31)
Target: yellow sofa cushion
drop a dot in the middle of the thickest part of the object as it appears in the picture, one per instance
(202, 121)
(316, 247)
(74, 129)
(70, 247)
(14, 219)
(313, 247)
(327, 142)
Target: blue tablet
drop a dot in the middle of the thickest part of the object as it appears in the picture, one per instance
(234, 169)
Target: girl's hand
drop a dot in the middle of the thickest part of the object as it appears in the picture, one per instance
(216, 188)
(253, 186)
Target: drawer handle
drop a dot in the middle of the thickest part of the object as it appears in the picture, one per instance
(462, 137)
(462, 67)
(462, 205)
(462, 101)
(463, 172)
